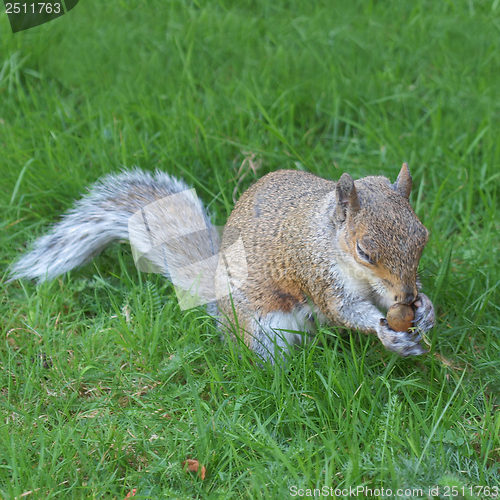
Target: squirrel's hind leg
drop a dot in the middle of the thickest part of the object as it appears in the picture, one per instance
(270, 335)
(275, 333)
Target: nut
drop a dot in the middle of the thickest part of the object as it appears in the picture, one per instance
(400, 317)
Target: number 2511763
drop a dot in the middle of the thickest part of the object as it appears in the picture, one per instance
(33, 8)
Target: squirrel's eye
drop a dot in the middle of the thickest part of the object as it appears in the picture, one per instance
(363, 255)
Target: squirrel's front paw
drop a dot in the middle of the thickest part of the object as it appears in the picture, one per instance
(402, 343)
(424, 313)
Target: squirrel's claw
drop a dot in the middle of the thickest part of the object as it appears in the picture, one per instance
(424, 313)
(402, 343)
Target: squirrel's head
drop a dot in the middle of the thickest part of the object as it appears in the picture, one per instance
(381, 235)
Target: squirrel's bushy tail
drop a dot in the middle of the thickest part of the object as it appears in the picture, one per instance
(103, 215)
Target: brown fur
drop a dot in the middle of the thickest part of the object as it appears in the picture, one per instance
(297, 229)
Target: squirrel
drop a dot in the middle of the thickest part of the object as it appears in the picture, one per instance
(297, 250)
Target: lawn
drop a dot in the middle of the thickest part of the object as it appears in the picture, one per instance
(107, 387)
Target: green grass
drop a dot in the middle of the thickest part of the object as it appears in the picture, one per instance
(106, 386)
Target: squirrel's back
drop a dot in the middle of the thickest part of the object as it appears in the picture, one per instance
(280, 195)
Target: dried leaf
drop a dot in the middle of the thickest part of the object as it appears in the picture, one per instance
(193, 465)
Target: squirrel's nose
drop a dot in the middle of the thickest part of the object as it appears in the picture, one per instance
(408, 296)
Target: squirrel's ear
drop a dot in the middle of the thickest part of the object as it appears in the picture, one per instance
(403, 182)
(347, 196)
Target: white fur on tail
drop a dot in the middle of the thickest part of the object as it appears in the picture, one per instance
(101, 217)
